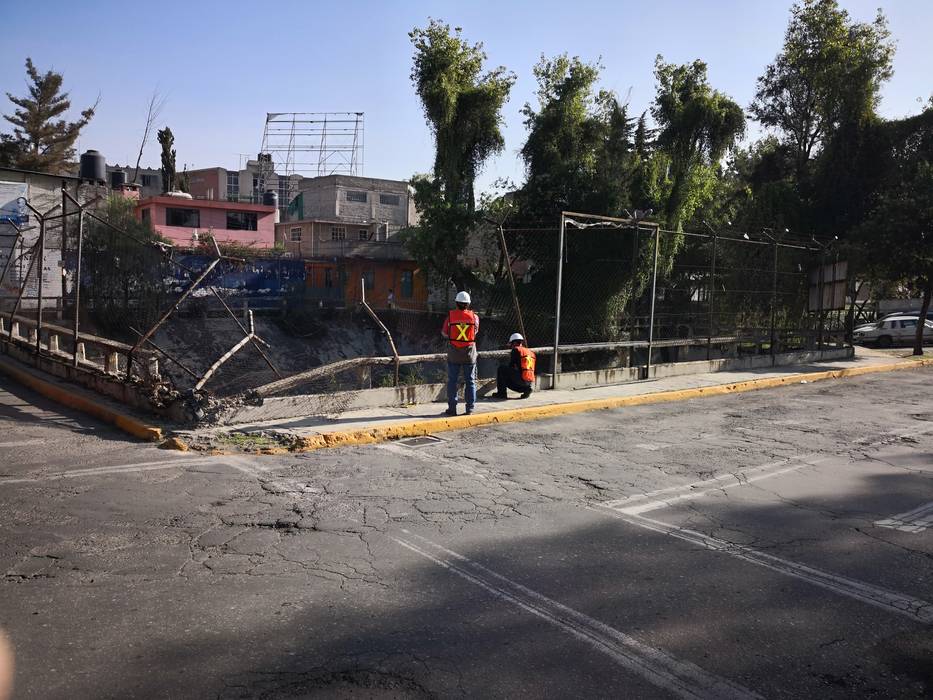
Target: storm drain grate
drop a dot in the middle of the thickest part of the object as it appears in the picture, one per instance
(420, 441)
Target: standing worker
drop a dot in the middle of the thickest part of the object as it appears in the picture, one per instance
(519, 374)
(460, 330)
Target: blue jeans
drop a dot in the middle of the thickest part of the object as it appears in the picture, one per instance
(453, 377)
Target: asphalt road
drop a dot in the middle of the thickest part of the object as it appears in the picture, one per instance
(769, 544)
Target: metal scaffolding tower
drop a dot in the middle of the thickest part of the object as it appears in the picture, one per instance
(309, 144)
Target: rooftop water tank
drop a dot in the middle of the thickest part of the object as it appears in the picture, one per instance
(93, 167)
(270, 198)
(117, 178)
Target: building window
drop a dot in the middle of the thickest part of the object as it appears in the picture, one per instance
(338, 233)
(295, 234)
(364, 234)
(328, 278)
(233, 186)
(146, 216)
(408, 284)
(356, 197)
(391, 200)
(150, 180)
(369, 279)
(187, 218)
(241, 220)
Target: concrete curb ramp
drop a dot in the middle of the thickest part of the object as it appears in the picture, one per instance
(419, 427)
(75, 398)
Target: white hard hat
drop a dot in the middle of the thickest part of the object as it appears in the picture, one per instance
(515, 337)
(463, 298)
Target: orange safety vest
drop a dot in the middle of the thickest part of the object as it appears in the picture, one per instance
(461, 328)
(528, 361)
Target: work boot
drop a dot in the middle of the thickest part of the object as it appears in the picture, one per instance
(469, 410)
(450, 412)
(526, 394)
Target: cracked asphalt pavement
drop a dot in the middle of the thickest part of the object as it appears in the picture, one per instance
(772, 544)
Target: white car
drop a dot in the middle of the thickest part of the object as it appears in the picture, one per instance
(893, 330)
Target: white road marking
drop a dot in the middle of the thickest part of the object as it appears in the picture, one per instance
(916, 520)
(682, 678)
(23, 443)
(891, 601)
(118, 469)
(717, 483)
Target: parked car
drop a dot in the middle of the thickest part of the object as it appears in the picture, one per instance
(892, 330)
(906, 313)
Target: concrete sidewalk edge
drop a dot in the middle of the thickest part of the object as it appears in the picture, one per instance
(77, 399)
(428, 426)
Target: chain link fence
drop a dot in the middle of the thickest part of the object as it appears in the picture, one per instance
(91, 285)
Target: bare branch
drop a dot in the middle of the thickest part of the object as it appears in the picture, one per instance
(156, 105)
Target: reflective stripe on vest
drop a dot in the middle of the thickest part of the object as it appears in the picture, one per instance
(528, 362)
(461, 328)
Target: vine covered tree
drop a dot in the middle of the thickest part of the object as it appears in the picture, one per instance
(696, 125)
(42, 140)
(462, 105)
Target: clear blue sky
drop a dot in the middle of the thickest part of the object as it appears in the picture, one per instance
(224, 65)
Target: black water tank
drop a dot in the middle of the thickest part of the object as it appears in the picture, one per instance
(270, 198)
(117, 178)
(93, 167)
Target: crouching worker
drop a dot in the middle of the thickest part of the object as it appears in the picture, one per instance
(519, 374)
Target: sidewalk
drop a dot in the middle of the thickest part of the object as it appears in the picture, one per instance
(377, 424)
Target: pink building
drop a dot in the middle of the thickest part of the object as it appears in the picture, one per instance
(184, 221)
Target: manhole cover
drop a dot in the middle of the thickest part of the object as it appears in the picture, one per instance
(420, 441)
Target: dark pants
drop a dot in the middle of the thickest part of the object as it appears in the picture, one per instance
(511, 378)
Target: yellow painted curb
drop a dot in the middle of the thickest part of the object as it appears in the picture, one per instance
(366, 436)
(123, 421)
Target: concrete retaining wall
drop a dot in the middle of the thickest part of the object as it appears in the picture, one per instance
(284, 407)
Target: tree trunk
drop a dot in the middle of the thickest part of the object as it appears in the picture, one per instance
(921, 321)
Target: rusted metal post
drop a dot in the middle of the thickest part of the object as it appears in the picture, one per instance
(39, 283)
(654, 291)
(634, 272)
(22, 290)
(555, 367)
(385, 330)
(227, 355)
(165, 353)
(774, 280)
(712, 301)
(820, 284)
(148, 334)
(9, 261)
(255, 340)
(508, 267)
(77, 285)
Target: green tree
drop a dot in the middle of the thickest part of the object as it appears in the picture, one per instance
(462, 105)
(829, 73)
(41, 140)
(167, 141)
(697, 125)
(895, 241)
(579, 154)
